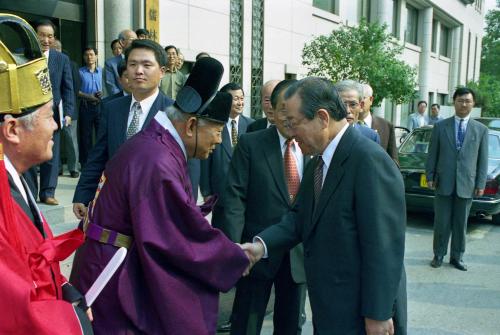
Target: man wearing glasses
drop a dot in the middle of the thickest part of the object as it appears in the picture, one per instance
(456, 168)
(112, 78)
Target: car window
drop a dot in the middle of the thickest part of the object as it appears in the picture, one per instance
(493, 146)
(417, 142)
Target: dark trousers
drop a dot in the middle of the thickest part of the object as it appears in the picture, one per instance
(252, 296)
(450, 217)
(88, 124)
(69, 142)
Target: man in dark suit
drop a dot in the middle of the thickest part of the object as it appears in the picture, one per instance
(267, 109)
(352, 224)
(126, 37)
(384, 128)
(63, 107)
(457, 168)
(214, 169)
(122, 117)
(263, 181)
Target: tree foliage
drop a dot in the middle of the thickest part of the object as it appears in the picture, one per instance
(488, 86)
(365, 53)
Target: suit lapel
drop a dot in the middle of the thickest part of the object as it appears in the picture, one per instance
(16, 194)
(157, 105)
(334, 175)
(122, 122)
(274, 159)
(226, 141)
(450, 131)
(470, 133)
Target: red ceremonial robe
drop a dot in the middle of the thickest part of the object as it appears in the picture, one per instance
(30, 278)
(178, 263)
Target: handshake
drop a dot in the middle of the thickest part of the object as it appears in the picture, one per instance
(254, 251)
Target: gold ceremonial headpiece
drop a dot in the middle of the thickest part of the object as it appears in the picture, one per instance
(24, 76)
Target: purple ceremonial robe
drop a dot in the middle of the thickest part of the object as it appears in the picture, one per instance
(170, 280)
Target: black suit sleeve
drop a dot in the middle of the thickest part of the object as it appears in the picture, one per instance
(392, 149)
(380, 216)
(235, 194)
(95, 165)
(67, 90)
(205, 170)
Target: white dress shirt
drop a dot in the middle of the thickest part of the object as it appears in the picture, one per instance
(145, 106)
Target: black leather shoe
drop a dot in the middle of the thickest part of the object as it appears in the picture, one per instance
(437, 261)
(74, 174)
(458, 264)
(224, 328)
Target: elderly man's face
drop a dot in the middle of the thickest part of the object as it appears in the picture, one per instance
(266, 92)
(353, 105)
(209, 136)
(46, 36)
(130, 36)
(280, 117)
(309, 134)
(35, 143)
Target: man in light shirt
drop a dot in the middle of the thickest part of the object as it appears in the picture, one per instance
(419, 118)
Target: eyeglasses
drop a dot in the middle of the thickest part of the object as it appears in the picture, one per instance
(294, 123)
(351, 104)
(461, 101)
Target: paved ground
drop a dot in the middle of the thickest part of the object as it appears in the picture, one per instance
(441, 301)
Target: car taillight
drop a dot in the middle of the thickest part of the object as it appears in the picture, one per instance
(491, 187)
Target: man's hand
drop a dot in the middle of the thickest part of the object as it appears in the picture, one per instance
(375, 327)
(478, 192)
(67, 120)
(79, 210)
(431, 184)
(205, 199)
(254, 252)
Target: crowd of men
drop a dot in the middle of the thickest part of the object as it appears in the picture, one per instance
(308, 197)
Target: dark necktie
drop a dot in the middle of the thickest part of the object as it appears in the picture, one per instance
(234, 133)
(318, 179)
(34, 210)
(291, 172)
(460, 134)
(133, 128)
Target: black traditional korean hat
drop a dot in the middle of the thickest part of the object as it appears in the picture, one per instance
(200, 90)
(24, 76)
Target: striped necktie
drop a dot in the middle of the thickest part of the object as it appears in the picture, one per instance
(318, 179)
(133, 128)
(460, 134)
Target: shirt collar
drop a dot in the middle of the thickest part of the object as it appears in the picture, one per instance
(466, 119)
(86, 69)
(237, 119)
(332, 147)
(146, 103)
(281, 138)
(15, 177)
(165, 122)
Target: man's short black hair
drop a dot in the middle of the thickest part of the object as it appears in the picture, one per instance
(168, 47)
(122, 67)
(160, 55)
(89, 48)
(422, 102)
(280, 87)
(202, 54)
(231, 87)
(142, 31)
(44, 22)
(116, 40)
(463, 91)
(436, 105)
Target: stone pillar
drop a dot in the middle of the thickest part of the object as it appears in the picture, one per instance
(425, 54)
(455, 61)
(118, 15)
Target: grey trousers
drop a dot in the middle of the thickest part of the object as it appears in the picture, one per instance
(450, 217)
(70, 144)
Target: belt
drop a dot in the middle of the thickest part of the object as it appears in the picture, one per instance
(107, 236)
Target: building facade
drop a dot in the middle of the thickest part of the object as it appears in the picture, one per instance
(258, 40)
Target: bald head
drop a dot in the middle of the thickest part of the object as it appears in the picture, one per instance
(126, 37)
(266, 91)
(368, 101)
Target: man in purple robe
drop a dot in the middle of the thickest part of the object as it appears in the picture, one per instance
(176, 263)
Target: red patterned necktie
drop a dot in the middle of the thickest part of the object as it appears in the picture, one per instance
(291, 172)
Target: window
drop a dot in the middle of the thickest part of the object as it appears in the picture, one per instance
(328, 5)
(236, 42)
(418, 142)
(430, 100)
(442, 99)
(411, 24)
(364, 7)
(444, 41)
(257, 56)
(435, 26)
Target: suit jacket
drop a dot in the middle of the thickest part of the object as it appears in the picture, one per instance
(385, 129)
(354, 238)
(110, 136)
(112, 97)
(413, 121)
(214, 169)
(61, 80)
(256, 196)
(111, 74)
(367, 132)
(461, 170)
(259, 124)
